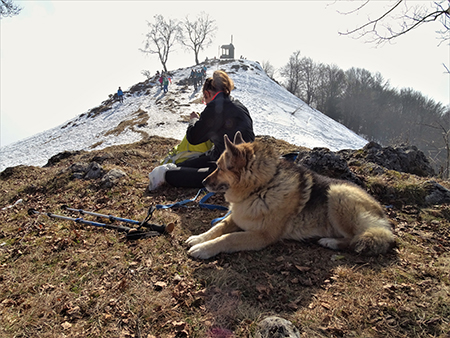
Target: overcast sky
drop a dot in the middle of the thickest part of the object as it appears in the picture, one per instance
(62, 58)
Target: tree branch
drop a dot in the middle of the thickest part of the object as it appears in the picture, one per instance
(410, 22)
(374, 22)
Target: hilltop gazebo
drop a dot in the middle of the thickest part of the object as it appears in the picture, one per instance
(227, 50)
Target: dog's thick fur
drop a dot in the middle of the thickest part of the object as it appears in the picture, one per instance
(271, 199)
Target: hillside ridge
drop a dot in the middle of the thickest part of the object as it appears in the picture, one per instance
(147, 111)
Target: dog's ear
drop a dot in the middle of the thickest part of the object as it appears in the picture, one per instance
(238, 138)
(229, 145)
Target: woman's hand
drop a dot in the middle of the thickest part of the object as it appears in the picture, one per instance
(194, 115)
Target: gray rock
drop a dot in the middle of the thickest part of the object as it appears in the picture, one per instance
(94, 171)
(111, 178)
(437, 193)
(91, 171)
(78, 170)
(276, 327)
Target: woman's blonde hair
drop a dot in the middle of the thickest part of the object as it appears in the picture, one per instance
(219, 82)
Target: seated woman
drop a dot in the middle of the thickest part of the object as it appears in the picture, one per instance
(222, 116)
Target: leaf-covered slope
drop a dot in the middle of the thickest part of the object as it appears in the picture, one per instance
(62, 278)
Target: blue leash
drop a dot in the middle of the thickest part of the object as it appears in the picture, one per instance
(218, 219)
(201, 204)
(178, 204)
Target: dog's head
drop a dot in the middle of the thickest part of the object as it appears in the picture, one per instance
(230, 165)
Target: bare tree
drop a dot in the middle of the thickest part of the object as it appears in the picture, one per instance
(268, 68)
(161, 38)
(8, 9)
(438, 152)
(302, 76)
(147, 74)
(310, 74)
(331, 88)
(292, 72)
(198, 34)
(401, 18)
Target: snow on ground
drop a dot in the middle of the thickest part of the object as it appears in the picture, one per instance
(274, 111)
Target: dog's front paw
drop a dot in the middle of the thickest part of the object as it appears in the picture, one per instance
(330, 243)
(202, 251)
(194, 240)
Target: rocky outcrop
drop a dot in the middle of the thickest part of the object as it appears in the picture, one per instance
(93, 171)
(327, 163)
(407, 159)
(59, 157)
(377, 160)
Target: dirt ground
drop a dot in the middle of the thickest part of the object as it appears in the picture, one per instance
(60, 278)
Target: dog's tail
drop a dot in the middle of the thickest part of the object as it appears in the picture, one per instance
(376, 238)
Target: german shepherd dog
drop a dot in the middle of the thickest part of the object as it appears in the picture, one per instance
(272, 199)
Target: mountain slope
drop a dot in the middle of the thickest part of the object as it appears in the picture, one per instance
(148, 111)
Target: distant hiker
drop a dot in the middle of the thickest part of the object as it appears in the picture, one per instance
(196, 78)
(199, 77)
(204, 69)
(192, 77)
(120, 94)
(222, 116)
(166, 84)
(161, 79)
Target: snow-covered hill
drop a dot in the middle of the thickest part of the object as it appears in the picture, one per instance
(146, 111)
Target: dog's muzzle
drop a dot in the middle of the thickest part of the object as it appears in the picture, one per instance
(214, 187)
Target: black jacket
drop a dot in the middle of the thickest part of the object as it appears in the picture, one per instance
(223, 115)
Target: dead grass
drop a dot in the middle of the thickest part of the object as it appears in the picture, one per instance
(60, 278)
(140, 118)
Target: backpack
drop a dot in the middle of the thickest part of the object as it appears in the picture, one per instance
(185, 150)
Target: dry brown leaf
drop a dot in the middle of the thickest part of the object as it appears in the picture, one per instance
(302, 268)
(326, 305)
(66, 325)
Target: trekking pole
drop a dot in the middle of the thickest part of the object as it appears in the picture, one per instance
(162, 229)
(132, 233)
